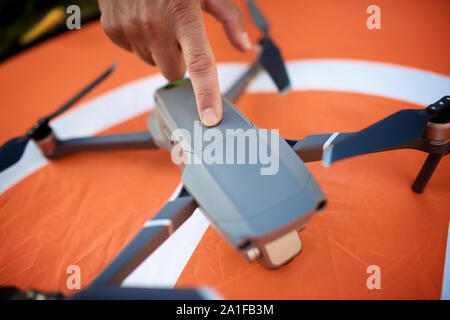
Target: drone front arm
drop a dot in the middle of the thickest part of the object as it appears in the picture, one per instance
(154, 233)
(311, 148)
(54, 148)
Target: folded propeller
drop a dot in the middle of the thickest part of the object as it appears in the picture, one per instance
(401, 128)
(270, 58)
(12, 151)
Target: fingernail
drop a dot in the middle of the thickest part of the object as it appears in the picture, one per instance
(209, 117)
(246, 41)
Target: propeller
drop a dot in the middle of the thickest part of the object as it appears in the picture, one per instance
(12, 151)
(270, 58)
(258, 17)
(398, 129)
(273, 63)
(128, 293)
(113, 293)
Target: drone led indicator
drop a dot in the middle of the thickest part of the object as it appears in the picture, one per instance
(174, 84)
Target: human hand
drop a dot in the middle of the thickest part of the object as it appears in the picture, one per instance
(171, 35)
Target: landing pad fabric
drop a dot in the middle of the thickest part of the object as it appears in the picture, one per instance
(83, 209)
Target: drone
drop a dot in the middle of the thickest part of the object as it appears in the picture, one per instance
(260, 216)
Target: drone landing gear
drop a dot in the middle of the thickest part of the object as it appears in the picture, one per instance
(438, 134)
(426, 172)
(435, 142)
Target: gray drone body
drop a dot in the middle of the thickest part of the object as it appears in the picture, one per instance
(258, 214)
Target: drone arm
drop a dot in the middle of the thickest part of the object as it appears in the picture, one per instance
(312, 147)
(54, 148)
(113, 293)
(153, 234)
(126, 293)
(238, 88)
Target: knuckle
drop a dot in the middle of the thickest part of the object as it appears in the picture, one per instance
(200, 63)
(151, 21)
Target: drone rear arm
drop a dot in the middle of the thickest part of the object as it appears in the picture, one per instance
(154, 233)
(54, 148)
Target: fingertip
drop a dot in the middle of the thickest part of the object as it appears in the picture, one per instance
(245, 40)
(210, 117)
(232, 19)
(239, 39)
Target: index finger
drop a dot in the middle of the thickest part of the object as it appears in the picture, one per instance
(191, 35)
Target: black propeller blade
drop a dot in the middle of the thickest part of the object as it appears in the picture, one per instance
(273, 63)
(125, 293)
(398, 129)
(112, 293)
(12, 151)
(270, 58)
(82, 93)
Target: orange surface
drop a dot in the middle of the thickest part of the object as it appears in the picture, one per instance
(83, 209)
